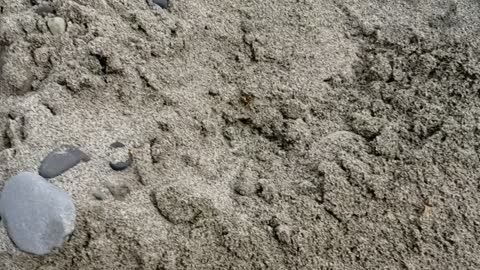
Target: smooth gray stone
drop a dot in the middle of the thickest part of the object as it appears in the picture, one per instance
(161, 3)
(44, 10)
(121, 165)
(38, 216)
(60, 160)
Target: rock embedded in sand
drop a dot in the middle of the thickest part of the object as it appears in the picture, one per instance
(214, 92)
(161, 3)
(99, 195)
(122, 159)
(38, 216)
(45, 9)
(121, 165)
(56, 25)
(60, 160)
(117, 145)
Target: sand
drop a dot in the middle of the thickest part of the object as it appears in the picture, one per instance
(264, 134)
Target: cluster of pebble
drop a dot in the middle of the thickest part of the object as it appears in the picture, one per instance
(57, 25)
(38, 215)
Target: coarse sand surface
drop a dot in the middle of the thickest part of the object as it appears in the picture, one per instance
(264, 134)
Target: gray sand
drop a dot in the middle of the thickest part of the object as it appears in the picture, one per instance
(265, 134)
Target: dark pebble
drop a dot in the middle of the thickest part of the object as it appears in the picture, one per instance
(161, 3)
(117, 145)
(121, 165)
(213, 92)
(44, 10)
(60, 160)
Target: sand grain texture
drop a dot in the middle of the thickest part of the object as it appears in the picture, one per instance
(264, 134)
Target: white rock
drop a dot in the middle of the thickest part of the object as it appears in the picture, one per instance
(56, 25)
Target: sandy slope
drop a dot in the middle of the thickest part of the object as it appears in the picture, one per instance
(288, 134)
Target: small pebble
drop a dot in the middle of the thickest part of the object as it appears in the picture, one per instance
(60, 160)
(121, 158)
(56, 25)
(44, 10)
(99, 195)
(117, 145)
(38, 216)
(161, 3)
(121, 165)
(214, 92)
